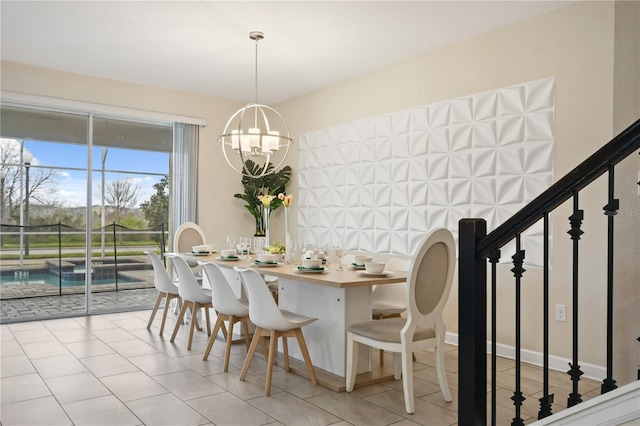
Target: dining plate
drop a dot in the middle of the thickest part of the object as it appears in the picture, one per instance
(266, 264)
(310, 270)
(378, 274)
(229, 258)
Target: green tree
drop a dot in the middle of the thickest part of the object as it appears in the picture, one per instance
(156, 209)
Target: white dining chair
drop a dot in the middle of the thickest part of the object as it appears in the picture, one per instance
(389, 300)
(228, 308)
(193, 297)
(166, 289)
(187, 235)
(272, 322)
(429, 284)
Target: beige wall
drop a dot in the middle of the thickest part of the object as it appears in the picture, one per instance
(574, 44)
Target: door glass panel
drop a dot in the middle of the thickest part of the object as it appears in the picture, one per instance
(126, 164)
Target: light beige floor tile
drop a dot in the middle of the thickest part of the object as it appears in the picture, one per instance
(227, 409)
(75, 387)
(291, 410)
(438, 399)
(431, 375)
(56, 366)
(426, 413)
(131, 323)
(354, 410)
(205, 368)
(188, 384)
(110, 335)
(5, 334)
(33, 336)
(61, 324)
(71, 335)
(27, 325)
(95, 322)
(22, 388)
(10, 348)
(130, 348)
(157, 363)
(108, 365)
(44, 349)
(294, 384)
(134, 385)
(102, 411)
(251, 387)
(48, 413)
(15, 366)
(175, 349)
(88, 348)
(420, 387)
(165, 410)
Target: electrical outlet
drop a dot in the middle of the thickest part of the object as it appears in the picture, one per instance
(561, 313)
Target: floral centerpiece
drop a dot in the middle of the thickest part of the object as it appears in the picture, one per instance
(266, 202)
(265, 184)
(286, 202)
(277, 247)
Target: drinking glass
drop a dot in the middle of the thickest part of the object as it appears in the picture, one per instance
(340, 252)
(296, 252)
(244, 247)
(258, 245)
(231, 241)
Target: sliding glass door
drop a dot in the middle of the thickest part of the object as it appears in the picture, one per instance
(81, 198)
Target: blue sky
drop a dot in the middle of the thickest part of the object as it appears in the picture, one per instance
(71, 184)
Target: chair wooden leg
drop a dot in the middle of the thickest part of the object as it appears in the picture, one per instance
(245, 331)
(273, 343)
(155, 309)
(257, 336)
(285, 351)
(206, 314)
(305, 354)
(219, 323)
(167, 301)
(194, 311)
(263, 345)
(227, 349)
(442, 374)
(179, 322)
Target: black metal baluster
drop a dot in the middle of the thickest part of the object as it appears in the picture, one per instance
(59, 258)
(518, 398)
(611, 209)
(576, 221)
(546, 400)
(494, 257)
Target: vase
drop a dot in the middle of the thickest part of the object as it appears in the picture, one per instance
(287, 239)
(267, 212)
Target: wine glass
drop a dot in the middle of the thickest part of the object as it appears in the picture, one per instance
(295, 251)
(231, 241)
(340, 252)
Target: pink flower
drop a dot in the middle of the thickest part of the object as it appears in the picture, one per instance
(286, 199)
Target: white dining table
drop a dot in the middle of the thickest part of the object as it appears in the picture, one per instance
(336, 298)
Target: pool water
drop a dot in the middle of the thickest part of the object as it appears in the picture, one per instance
(54, 280)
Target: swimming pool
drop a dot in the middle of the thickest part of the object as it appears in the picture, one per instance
(40, 278)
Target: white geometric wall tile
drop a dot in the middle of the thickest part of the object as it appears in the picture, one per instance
(385, 181)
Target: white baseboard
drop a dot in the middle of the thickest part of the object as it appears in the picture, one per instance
(591, 371)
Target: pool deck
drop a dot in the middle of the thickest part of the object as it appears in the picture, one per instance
(27, 302)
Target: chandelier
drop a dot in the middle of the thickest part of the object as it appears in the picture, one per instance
(257, 133)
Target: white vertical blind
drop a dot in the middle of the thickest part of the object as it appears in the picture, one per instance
(184, 180)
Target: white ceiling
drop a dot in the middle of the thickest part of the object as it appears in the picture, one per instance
(204, 46)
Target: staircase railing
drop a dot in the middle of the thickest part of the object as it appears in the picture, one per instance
(477, 248)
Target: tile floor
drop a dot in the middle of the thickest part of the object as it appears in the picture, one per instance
(110, 370)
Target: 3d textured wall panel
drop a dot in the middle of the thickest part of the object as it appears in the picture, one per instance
(381, 183)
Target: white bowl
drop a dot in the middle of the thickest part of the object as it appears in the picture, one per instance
(361, 260)
(267, 257)
(228, 253)
(197, 249)
(374, 267)
(311, 263)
